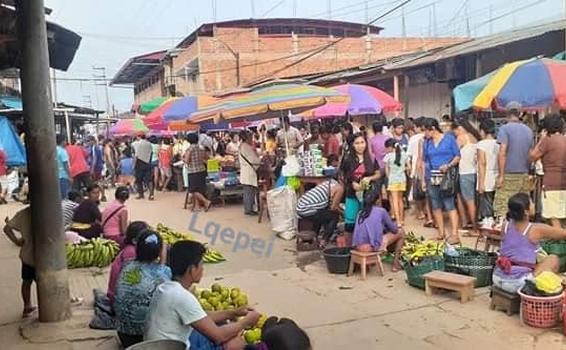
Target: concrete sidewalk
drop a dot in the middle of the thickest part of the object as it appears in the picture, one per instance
(337, 311)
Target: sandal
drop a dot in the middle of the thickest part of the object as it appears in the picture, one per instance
(29, 311)
(439, 237)
(429, 224)
(453, 240)
(421, 217)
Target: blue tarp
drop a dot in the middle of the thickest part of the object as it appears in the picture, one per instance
(11, 144)
(11, 102)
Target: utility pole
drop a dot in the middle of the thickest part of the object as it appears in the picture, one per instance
(46, 215)
(434, 22)
(213, 11)
(253, 8)
(54, 74)
(491, 19)
(103, 77)
(329, 8)
(295, 8)
(468, 29)
(366, 11)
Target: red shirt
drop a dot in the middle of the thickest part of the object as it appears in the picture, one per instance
(165, 157)
(77, 160)
(2, 163)
(331, 146)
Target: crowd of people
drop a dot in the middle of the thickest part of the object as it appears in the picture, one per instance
(461, 170)
(475, 174)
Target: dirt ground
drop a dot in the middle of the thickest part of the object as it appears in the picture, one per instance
(338, 312)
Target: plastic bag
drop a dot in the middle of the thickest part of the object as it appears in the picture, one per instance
(548, 282)
(291, 167)
(281, 203)
(294, 182)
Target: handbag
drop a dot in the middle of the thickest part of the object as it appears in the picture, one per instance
(449, 181)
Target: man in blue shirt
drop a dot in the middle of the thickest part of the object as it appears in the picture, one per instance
(63, 166)
(515, 141)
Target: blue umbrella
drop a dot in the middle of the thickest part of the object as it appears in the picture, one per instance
(182, 108)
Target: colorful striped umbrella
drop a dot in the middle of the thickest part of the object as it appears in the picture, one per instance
(265, 102)
(364, 99)
(128, 127)
(182, 108)
(154, 120)
(151, 105)
(535, 84)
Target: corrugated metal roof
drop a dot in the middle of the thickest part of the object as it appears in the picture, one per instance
(367, 68)
(138, 67)
(480, 44)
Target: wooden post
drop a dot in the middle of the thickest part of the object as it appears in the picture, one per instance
(406, 96)
(46, 217)
(396, 87)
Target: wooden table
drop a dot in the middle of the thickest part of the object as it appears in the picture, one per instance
(314, 180)
(492, 238)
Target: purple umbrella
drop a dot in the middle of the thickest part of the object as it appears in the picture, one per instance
(182, 108)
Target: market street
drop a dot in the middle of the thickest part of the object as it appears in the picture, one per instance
(382, 312)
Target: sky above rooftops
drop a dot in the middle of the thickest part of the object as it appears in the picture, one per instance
(113, 31)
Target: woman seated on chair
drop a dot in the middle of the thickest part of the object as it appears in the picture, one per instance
(518, 259)
(375, 231)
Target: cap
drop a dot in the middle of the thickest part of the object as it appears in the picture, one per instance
(513, 106)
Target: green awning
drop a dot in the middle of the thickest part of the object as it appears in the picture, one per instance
(152, 104)
(560, 56)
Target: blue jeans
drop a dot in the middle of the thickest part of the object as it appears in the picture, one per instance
(468, 187)
(64, 186)
(199, 341)
(437, 201)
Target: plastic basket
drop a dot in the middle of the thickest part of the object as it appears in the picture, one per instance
(337, 259)
(474, 263)
(554, 247)
(541, 312)
(415, 273)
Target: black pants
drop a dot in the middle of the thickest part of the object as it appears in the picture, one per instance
(486, 204)
(128, 340)
(144, 175)
(325, 217)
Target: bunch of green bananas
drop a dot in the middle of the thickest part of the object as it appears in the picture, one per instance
(213, 256)
(171, 236)
(411, 237)
(417, 251)
(97, 252)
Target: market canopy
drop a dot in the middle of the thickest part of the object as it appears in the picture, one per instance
(11, 144)
(154, 120)
(535, 84)
(151, 105)
(182, 108)
(364, 100)
(265, 102)
(128, 127)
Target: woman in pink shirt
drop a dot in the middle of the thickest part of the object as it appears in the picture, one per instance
(115, 216)
(127, 254)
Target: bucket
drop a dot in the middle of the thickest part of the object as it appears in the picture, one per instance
(337, 259)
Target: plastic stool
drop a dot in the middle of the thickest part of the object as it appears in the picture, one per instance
(365, 260)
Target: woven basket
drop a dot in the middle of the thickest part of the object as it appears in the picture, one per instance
(554, 247)
(474, 263)
(415, 273)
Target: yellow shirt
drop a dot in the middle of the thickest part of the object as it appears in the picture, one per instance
(270, 146)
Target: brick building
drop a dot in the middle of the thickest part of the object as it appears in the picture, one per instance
(225, 55)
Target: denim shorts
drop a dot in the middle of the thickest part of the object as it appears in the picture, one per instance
(468, 186)
(437, 201)
(511, 285)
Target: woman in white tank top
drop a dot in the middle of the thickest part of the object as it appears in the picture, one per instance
(467, 137)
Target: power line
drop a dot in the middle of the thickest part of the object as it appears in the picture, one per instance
(272, 8)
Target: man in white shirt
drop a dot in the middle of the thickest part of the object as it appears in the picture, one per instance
(143, 170)
(292, 134)
(174, 311)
